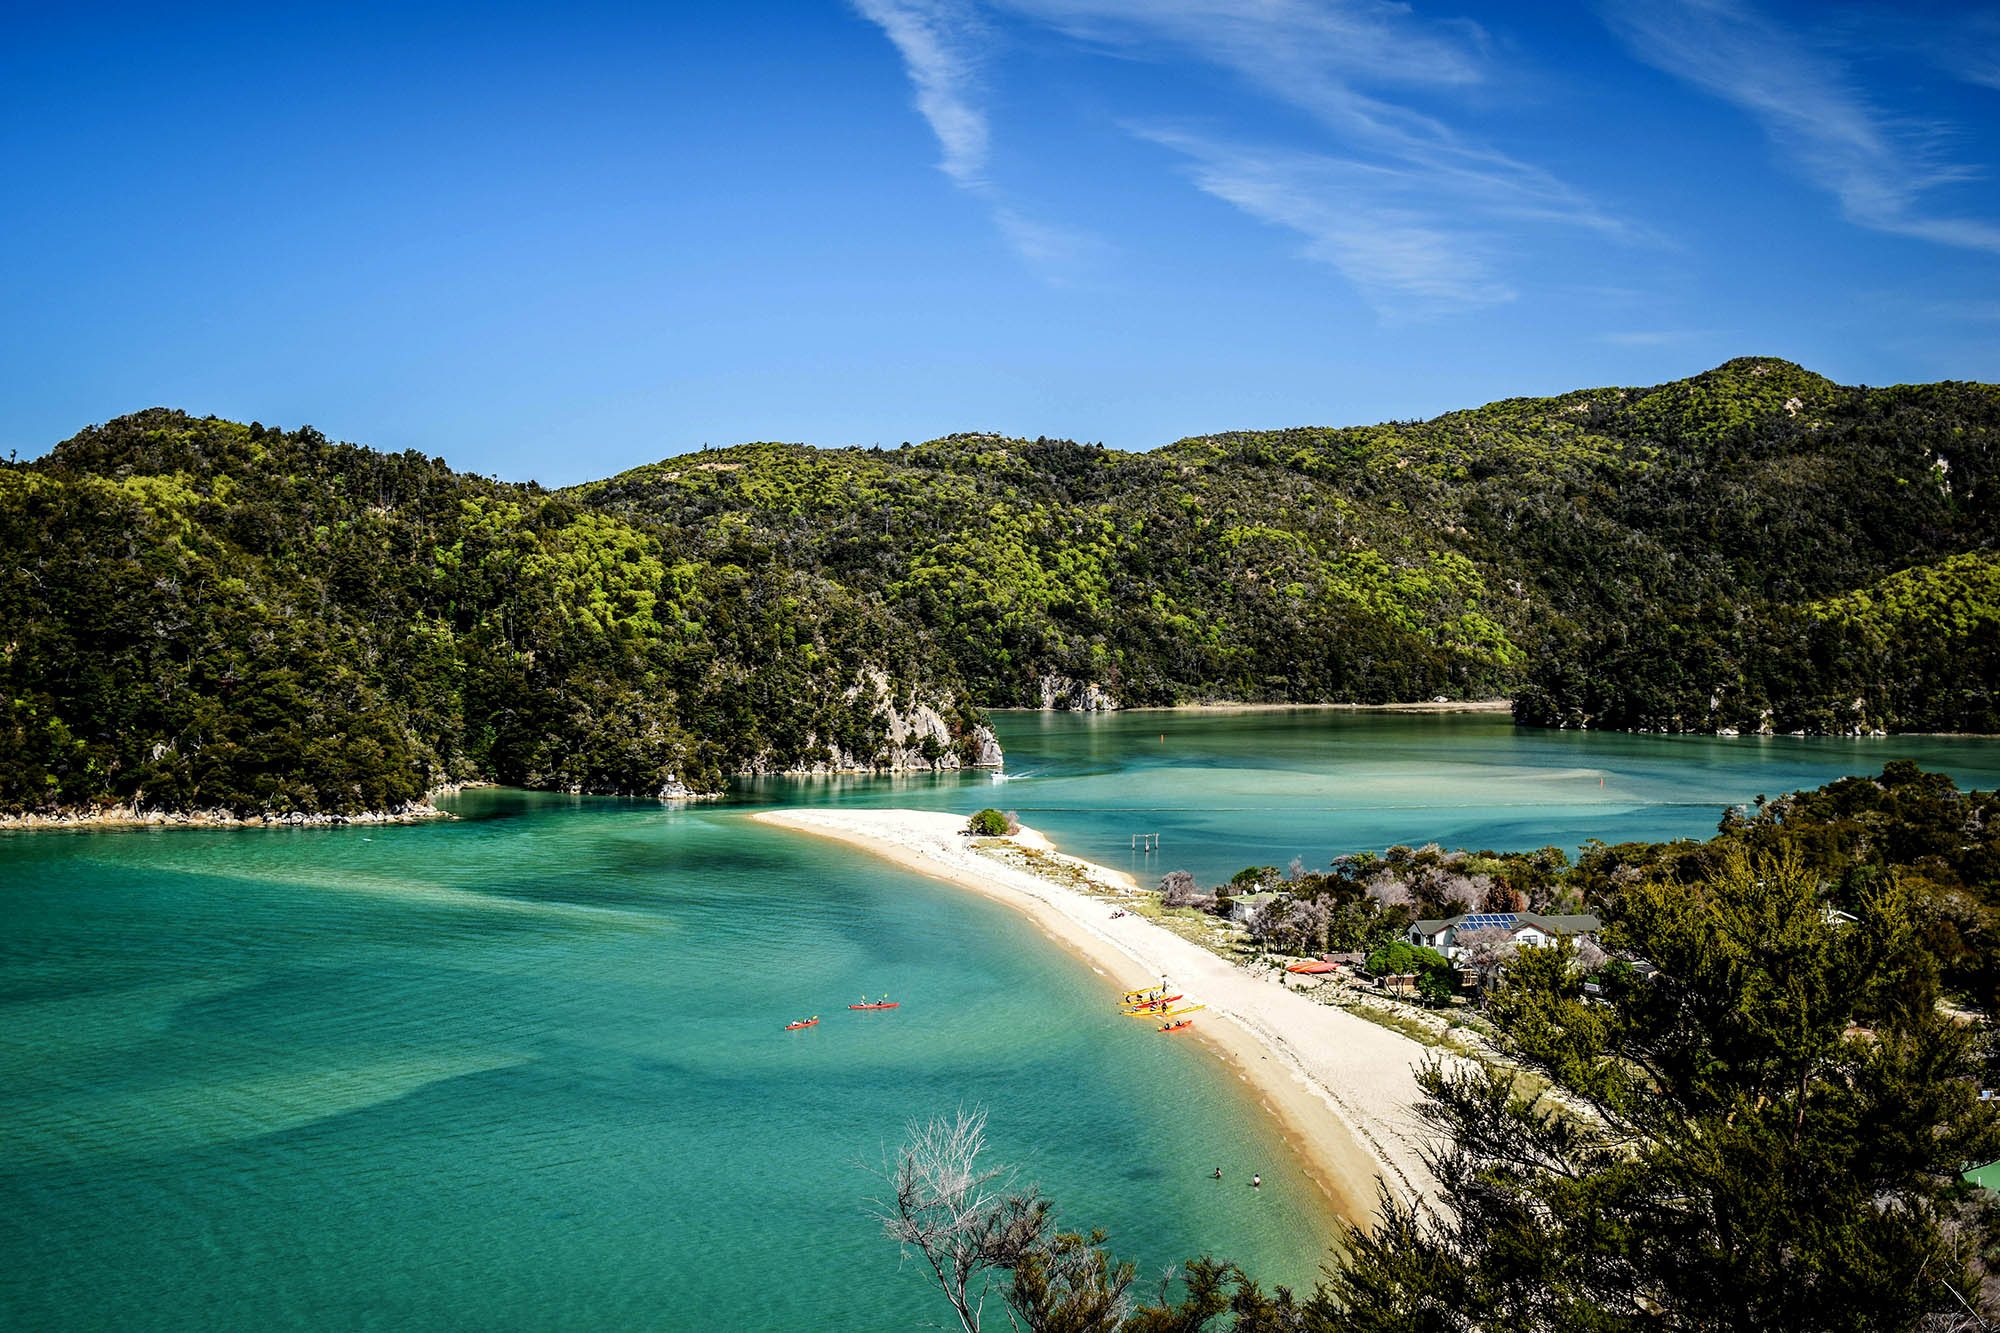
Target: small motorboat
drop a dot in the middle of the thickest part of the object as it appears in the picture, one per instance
(810, 1022)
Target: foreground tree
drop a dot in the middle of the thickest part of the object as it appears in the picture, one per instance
(1766, 1135)
(966, 1220)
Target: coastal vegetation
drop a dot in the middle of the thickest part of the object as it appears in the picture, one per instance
(1751, 1108)
(1755, 548)
(991, 823)
(196, 614)
(200, 614)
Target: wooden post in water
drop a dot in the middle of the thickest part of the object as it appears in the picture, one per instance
(1148, 842)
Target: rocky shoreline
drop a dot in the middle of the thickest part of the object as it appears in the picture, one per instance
(125, 816)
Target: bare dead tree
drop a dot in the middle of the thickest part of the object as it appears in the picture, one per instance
(1178, 889)
(966, 1220)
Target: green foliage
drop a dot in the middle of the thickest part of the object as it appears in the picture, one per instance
(1436, 980)
(1753, 548)
(991, 823)
(197, 614)
(1070, 1284)
(1770, 1132)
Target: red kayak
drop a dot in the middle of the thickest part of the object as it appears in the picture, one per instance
(1176, 1027)
(793, 1027)
(889, 1005)
(1312, 967)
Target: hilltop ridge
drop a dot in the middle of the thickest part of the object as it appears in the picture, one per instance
(204, 614)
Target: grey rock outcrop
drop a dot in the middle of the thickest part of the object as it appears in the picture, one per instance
(1066, 694)
(916, 738)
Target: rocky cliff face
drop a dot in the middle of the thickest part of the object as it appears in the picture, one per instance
(913, 734)
(1068, 695)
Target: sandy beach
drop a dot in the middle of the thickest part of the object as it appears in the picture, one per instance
(1342, 1089)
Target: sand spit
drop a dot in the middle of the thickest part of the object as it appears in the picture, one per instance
(1344, 1089)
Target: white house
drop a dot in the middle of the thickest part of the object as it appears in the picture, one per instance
(1530, 928)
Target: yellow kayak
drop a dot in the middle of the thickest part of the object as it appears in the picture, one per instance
(1133, 995)
(1166, 1013)
(1137, 1005)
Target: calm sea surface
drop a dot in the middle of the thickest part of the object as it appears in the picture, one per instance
(525, 1069)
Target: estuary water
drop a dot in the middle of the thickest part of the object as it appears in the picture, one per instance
(525, 1069)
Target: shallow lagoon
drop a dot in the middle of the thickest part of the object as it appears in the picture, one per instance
(524, 1069)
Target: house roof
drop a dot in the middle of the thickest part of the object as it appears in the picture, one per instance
(1580, 923)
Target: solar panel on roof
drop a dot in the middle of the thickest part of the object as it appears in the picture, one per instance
(1481, 920)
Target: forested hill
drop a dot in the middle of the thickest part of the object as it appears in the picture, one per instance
(1753, 547)
(198, 613)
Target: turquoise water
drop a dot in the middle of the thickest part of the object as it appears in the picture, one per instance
(1226, 789)
(524, 1069)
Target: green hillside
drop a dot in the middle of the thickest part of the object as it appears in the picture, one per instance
(197, 614)
(203, 615)
(1612, 557)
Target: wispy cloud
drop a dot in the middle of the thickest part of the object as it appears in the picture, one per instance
(940, 42)
(1807, 101)
(1321, 58)
(1405, 204)
(1352, 216)
(1962, 41)
(1059, 252)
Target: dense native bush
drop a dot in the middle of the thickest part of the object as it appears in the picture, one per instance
(1753, 548)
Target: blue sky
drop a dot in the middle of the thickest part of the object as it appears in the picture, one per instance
(556, 242)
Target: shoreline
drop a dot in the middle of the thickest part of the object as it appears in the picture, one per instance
(1343, 1090)
(1450, 706)
(124, 816)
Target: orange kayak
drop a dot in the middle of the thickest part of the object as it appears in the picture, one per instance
(793, 1027)
(890, 1005)
(1176, 1027)
(1312, 967)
